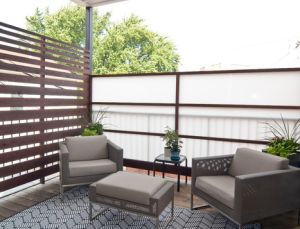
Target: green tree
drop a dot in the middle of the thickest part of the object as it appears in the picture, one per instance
(36, 22)
(67, 24)
(127, 47)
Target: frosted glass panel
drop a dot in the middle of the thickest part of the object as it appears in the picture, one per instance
(136, 118)
(231, 123)
(138, 147)
(276, 88)
(145, 89)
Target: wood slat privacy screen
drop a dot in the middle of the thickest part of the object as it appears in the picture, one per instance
(43, 98)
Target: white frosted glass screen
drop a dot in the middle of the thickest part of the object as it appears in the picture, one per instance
(273, 88)
(202, 148)
(231, 123)
(144, 89)
(138, 147)
(137, 118)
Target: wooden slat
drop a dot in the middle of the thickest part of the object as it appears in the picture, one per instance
(23, 179)
(29, 152)
(49, 51)
(27, 38)
(36, 126)
(259, 142)
(27, 165)
(58, 82)
(32, 61)
(19, 78)
(37, 54)
(5, 89)
(39, 35)
(29, 102)
(33, 114)
(32, 139)
(26, 69)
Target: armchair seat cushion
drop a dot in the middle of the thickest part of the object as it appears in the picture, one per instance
(219, 187)
(92, 167)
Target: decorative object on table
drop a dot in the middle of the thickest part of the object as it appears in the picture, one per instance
(172, 143)
(284, 141)
(170, 134)
(96, 126)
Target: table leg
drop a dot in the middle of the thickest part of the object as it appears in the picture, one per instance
(178, 177)
(163, 170)
(148, 172)
(154, 168)
(186, 170)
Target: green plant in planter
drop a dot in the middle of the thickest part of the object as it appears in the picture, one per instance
(285, 140)
(96, 127)
(169, 137)
(173, 143)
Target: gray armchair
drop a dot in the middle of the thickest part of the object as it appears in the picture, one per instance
(248, 186)
(84, 160)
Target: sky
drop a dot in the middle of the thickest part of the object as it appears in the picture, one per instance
(206, 33)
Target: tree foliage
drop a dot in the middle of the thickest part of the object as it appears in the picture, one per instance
(126, 47)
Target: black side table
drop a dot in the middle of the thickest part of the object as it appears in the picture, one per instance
(167, 160)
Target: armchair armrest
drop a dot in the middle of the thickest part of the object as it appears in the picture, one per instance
(115, 153)
(267, 193)
(63, 161)
(210, 166)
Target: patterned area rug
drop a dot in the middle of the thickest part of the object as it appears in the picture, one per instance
(71, 211)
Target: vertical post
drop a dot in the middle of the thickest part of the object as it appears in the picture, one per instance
(177, 102)
(89, 46)
(89, 34)
(42, 85)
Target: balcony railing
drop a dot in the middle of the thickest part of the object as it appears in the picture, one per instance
(214, 112)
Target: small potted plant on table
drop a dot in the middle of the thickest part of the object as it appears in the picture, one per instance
(172, 144)
(285, 140)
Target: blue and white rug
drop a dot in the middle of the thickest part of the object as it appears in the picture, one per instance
(71, 211)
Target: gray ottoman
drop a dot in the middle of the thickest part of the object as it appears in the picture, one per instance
(133, 192)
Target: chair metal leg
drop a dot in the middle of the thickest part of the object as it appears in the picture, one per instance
(61, 189)
(298, 217)
(172, 209)
(192, 201)
(90, 211)
(198, 207)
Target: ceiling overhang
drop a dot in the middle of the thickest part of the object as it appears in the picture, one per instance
(94, 3)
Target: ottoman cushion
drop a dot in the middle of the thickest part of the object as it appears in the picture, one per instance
(132, 187)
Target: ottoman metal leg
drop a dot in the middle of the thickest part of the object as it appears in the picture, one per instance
(91, 212)
(157, 223)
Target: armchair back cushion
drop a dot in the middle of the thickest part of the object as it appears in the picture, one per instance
(87, 148)
(247, 161)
